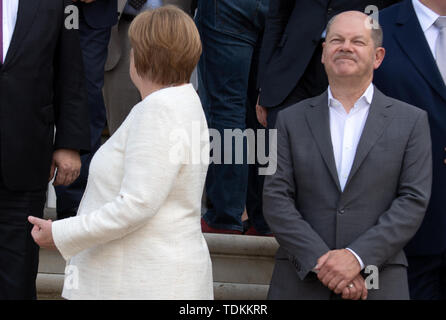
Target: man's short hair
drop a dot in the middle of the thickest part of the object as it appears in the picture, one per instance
(166, 45)
(377, 31)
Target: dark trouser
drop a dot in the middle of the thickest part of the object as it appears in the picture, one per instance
(254, 199)
(94, 43)
(230, 33)
(313, 83)
(427, 277)
(19, 255)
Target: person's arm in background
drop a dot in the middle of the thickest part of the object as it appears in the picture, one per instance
(277, 19)
(70, 106)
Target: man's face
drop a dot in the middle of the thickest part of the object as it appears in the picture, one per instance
(349, 50)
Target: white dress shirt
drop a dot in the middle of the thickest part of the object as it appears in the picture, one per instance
(10, 8)
(427, 18)
(346, 130)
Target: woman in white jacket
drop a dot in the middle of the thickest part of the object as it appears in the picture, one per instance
(137, 234)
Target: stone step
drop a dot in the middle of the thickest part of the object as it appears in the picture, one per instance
(242, 267)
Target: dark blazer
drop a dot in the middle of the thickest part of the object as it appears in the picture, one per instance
(41, 85)
(292, 32)
(100, 13)
(410, 73)
(380, 209)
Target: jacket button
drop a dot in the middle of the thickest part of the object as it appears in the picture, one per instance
(341, 211)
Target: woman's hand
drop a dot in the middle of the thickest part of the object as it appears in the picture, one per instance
(42, 232)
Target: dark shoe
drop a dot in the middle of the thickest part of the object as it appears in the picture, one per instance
(253, 232)
(208, 229)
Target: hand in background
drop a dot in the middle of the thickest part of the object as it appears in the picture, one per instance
(68, 164)
(262, 114)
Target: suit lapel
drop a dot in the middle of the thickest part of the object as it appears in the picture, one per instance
(377, 120)
(412, 41)
(318, 120)
(25, 18)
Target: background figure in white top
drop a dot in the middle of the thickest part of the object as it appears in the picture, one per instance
(137, 234)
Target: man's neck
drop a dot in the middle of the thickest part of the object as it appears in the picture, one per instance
(438, 6)
(348, 92)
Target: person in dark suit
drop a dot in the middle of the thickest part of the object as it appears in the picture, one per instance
(290, 68)
(353, 179)
(411, 72)
(41, 87)
(96, 17)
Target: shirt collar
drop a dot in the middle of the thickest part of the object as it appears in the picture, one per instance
(426, 16)
(366, 97)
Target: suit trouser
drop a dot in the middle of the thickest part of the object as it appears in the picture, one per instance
(120, 94)
(19, 255)
(229, 33)
(94, 43)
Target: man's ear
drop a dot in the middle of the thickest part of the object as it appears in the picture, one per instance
(323, 53)
(380, 53)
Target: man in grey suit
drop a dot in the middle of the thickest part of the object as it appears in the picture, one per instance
(353, 179)
(120, 95)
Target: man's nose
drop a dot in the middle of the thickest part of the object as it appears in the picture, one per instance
(346, 46)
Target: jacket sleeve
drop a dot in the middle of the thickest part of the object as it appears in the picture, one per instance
(149, 174)
(276, 21)
(292, 232)
(399, 223)
(70, 100)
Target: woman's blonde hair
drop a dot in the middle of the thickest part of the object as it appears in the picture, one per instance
(166, 45)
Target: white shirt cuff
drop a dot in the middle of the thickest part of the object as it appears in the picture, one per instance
(357, 258)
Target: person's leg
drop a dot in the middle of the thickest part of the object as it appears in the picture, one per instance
(120, 94)
(256, 221)
(19, 255)
(94, 43)
(223, 73)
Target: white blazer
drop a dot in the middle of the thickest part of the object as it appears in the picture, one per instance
(137, 234)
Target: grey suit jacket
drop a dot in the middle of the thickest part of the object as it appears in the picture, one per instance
(383, 202)
(114, 46)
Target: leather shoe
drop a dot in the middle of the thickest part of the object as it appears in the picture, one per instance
(208, 229)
